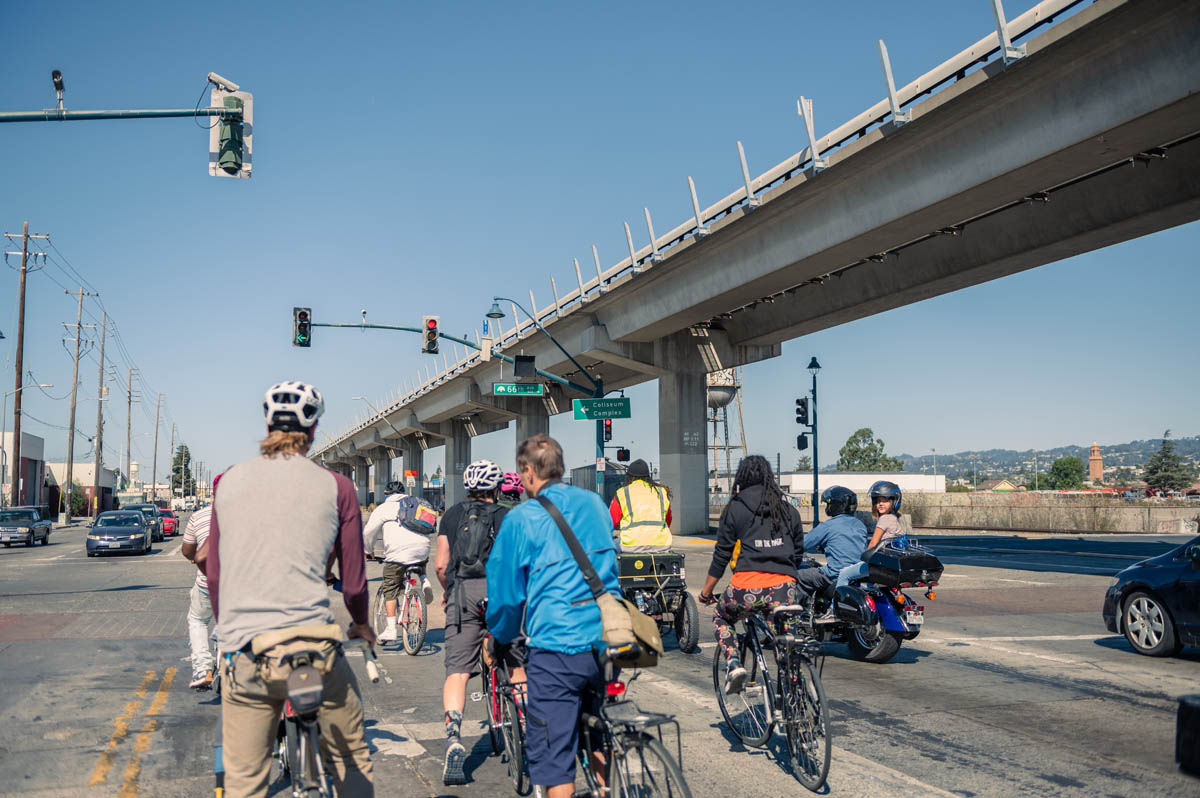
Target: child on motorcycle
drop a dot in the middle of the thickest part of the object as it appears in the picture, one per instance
(885, 508)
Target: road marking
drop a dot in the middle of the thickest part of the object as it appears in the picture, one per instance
(708, 702)
(698, 542)
(1018, 639)
(129, 789)
(1002, 649)
(120, 729)
(1007, 565)
(394, 739)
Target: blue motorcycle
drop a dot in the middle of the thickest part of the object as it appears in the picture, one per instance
(874, 616)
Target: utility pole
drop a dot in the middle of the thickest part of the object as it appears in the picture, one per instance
(65, 506)
(154, 468)
(171, 473)
(129, 430)
(15, 495)
(99, 419)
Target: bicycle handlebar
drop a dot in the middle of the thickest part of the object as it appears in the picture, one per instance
(368, 656)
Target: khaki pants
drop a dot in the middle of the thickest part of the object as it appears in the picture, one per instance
(250, 710)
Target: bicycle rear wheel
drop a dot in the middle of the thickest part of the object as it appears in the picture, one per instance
(415, 611)
(379, 613)
(514, 744)
(809, 739)
(642, 768)
(748, 713)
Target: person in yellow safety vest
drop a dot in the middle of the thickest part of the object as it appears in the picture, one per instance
(641, 512)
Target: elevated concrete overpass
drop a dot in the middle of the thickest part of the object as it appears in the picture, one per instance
(1091, 138)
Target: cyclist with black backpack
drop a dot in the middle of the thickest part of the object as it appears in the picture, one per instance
(465, 537)
(404, 523)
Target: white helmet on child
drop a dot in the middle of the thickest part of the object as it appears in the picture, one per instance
(293, 406)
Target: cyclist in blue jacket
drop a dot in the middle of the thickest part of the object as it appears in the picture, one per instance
(531, 573)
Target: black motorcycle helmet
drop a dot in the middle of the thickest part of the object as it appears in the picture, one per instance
(839, 501)
(886, 490)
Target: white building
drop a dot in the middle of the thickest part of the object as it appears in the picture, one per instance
(32, 470)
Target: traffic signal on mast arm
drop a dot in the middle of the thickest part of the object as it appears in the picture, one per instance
(231, 136)
(802, 410)
(429, 332)
(301, 326)
(607, 430)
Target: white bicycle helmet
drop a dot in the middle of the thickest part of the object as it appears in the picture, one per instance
(482, 476)
(293, 406)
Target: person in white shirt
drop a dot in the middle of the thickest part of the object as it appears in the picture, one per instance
(404, 547)
(200, 610)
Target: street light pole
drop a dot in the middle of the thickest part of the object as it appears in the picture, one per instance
(813, 368)
(597, 385)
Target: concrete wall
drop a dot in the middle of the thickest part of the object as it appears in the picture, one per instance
(1042, 511)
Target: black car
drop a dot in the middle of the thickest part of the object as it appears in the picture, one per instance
(23, 525)
(119, 530)
(1156, 603)
(152, 519)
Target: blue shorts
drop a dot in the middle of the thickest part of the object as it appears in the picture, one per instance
(557, 684)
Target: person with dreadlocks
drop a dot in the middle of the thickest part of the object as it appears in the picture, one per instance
(763, 536)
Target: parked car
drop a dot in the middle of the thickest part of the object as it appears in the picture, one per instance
(170, 522)
(1155, 603)
(152, 518)
(119, 530)
(23, 525)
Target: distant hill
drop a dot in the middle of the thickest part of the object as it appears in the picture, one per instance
(1003, 462)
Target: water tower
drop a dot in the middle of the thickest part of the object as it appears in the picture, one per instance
(724, 389)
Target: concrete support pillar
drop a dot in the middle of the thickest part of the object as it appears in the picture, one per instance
(682, 404)
(362, 481)
(533, 419)
(458, 457)
(414, 460)
(383, 475)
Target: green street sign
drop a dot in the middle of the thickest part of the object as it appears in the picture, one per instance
(597, 409)
(518, 389)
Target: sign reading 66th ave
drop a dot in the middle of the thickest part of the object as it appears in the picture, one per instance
(597, 409)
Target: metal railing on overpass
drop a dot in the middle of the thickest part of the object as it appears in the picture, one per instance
(754, 191)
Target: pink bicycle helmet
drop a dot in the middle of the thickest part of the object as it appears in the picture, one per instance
(511, 483)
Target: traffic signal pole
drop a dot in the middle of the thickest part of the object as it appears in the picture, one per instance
(55, 115)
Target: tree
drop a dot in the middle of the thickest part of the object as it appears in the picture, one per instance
(1067, 473)
(181, 471)
(803, 463)
(864, 452)
(78, 499)
(1165, 470)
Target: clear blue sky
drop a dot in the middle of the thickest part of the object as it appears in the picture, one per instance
(417, 158)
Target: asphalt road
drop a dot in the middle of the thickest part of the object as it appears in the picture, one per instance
(1014, 687)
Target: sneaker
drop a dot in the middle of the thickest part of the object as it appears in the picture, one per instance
(456, 755)
(735, 680)
(201, 680)
(428, 588)
(388, 635)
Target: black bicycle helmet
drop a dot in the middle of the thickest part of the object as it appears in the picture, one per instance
(839, 501)
(886, 490)
(395, 486)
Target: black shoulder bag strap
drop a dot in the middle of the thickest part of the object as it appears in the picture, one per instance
(585, 565)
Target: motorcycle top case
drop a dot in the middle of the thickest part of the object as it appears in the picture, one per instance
(650, 571)
(893, 567)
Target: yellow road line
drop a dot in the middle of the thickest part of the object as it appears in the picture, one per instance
(120, 729)
(698, 542)
(129, 789)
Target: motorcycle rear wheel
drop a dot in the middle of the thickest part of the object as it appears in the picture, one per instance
(873, 644)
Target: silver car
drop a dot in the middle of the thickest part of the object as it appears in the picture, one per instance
(23, 526)
(118, 530)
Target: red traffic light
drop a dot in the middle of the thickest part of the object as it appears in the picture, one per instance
(430, 324)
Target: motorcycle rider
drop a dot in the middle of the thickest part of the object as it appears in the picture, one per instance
(641, 512)
(842, 537)
(885, 508)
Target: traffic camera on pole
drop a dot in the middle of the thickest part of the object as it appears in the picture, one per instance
(802, 410)
(230, 138)
(429, 327)
(302, 327)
